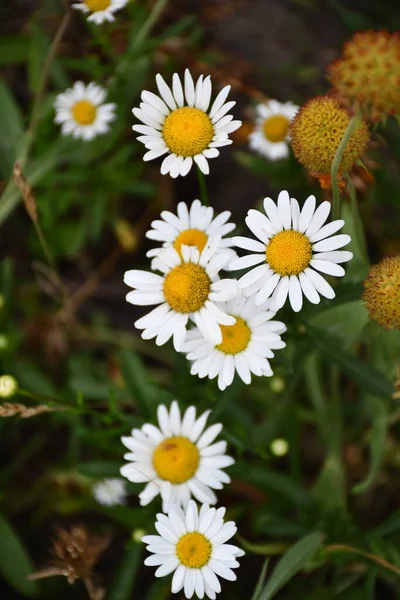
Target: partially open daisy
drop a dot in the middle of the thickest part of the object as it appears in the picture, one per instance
(100, 10)
(192, 226)
(271, 134)
(293, 246)
(245, 347)
(81, 111)
(177, 459)
(192, 545)
(181, 125)
(187, 289)
(110, 492)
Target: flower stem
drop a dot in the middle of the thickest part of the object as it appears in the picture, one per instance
(202, 186)
(353, 123)
(149, 22)
(358, 224)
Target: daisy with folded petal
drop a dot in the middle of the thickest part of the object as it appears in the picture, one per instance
(192, 545)
(271, 134)
(177, 459)
(100, 10)
(245, 348)
(292, 247)
(180, 123)
(82, 112)
(192, 226)
(188, 288)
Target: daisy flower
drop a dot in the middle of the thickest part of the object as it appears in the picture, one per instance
(292, 247)
(110, 492)
(101, 10)
(180, 123)
(192, 545)
(192, 226)
(177, 459)
(187, 288)
(271, 134)
(245, 347)
(81, 111)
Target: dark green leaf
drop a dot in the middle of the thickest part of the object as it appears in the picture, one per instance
(15, 563)
(123, 584)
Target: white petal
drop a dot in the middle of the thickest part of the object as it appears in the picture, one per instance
(332, 243)
(327, 267)
(178, 90)
(295, 293)
(189, 88)
(306, 213)
(320, 284)
(284, 209)
(165, 92)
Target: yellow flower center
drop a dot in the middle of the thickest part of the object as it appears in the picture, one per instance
(276, 128)
(235, 338)
(382, 292)
(289, 252)
(186, 288)
(191, 237)
(96, 5)
(193, 550)
(187, 131)
(176, 459)
(84, 112)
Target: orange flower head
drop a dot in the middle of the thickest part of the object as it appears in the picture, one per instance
(382, 292)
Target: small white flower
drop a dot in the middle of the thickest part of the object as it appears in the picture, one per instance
(81, 111)
(245, 347)
(110, 492)
(188, 288)
(270, 136)
(192, 545)
(177, 459)
(191, 227)
(293, 245)
(8, 386)
(181, 124)
(101, 10)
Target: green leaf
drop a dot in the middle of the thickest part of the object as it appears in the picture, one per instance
(137, 381)
(346, 321)
(13, 49)
(295, 559)
(123, 584)
(15, 563)
(379, 424)
(261, 580)
(11, 130)
(360, 372)
(266, 549)
(99, 468)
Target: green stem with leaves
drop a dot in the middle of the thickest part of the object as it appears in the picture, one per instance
(353, 123)
(149, 22)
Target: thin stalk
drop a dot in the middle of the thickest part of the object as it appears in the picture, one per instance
(336, 164)
(202, 186)
(149, 22)
(358, 225)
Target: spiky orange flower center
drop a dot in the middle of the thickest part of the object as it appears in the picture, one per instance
(84, 112)
(317, 131)
(176, 459)
(289, 252)
(235, 338)
(97, 5)
(382, 292)
(275, 128)
(190, 237)
(187, 131)
(187, 287)
(193, 550)
(367, 77)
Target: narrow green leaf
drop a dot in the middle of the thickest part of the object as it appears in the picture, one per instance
(295, 559)
(346, 321)
(379, 426)
(137, 381)
(360, 372)
(266, 549)
(11, 130)
(13, 49)
(122, 587)
(15, 563)
(261, 580)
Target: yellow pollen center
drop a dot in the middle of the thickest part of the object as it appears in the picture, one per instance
(187, 131)
(84, 112)
(191, 237)
(96, 5)
(186, 288)
(193, 550)
(235, 338)
(176, 459)
(276, 128)
(289, 252)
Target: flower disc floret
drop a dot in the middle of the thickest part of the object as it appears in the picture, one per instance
(176, 459)
(96, 5)
(235, 338)
(84, 112)
(193, 550)
(190, 237)
(187, 131)
(382, 292)
(99, 11)
(367, 76)
(187, 287)
(276, 128)
(317, 131)
(289, 252)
